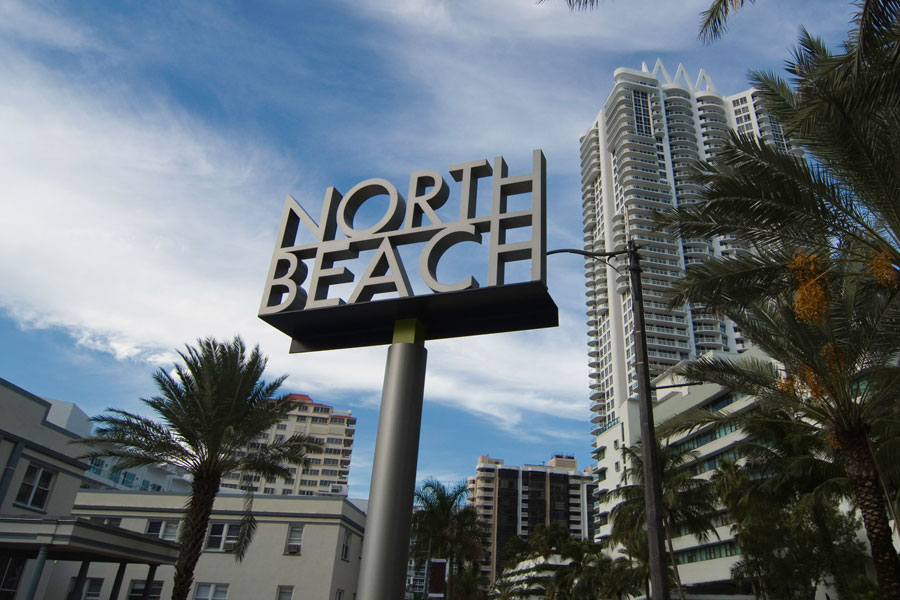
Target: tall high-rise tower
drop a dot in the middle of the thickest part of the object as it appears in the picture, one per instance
(512, 501)
(635, 161)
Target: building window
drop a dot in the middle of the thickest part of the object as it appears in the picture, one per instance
(35, 487)
(10, 573)
(269, 490)
(222, 536)
(110, 521)
(136, 589)
(281, 426)
(339, 595)
(97, 465)
(166, 530)
(294, 539)
(285, 592)
(211, 591)
(91, 589)
(345, 546)
(286, 491)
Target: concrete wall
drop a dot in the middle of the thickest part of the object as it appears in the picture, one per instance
(316, 573)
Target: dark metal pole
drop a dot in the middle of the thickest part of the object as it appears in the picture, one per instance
(382, 574)
(649, 454)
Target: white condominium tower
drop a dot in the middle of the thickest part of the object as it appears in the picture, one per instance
(635, 161)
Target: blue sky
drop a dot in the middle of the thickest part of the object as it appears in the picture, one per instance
(146, 150)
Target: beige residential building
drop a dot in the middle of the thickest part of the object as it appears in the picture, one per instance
(304, 548)
(328, 470)
(38, 485)
(511, 501)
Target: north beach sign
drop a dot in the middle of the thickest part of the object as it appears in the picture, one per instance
(299, 297)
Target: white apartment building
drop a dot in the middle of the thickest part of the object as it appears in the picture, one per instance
(511, 501)
(328, 471)
(635, 163)
(303, 548)
(705, 568)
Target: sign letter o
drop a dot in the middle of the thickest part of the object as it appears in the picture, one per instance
(358, 195)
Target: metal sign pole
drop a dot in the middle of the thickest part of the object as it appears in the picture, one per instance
(652, 493)
(385, 552)
(649, 454)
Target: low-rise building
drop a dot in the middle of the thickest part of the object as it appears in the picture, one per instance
(307, 547)
(38, 533)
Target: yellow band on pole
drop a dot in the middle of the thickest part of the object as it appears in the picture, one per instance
(409, 331)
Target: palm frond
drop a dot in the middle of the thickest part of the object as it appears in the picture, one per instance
(715, 19)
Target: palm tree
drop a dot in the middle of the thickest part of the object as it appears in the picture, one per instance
(838, 375)
(712, 26)
(210, 410)
(620, 580)
(715, 18)
(442, 527)
(820, 293)
(504, 589)
(470, 583)
(688, 502)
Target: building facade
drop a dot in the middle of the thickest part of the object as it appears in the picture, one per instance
(303, 547)
(328, 470)
(636, 160)
(511, 501)
(704, 566)
(38, 533)
(60, 539)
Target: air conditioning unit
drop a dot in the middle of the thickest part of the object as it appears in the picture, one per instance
(293, 548)
(229, 546)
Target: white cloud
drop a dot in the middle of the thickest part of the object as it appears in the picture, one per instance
(28, 23)
(136, 229)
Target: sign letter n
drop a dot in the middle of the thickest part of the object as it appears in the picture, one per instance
(287, 271)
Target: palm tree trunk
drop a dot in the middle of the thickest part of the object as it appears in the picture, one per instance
(859, 465)
(674, 561)
(450, 576)
(193, 531)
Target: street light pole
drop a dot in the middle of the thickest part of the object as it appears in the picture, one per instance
(649, 453)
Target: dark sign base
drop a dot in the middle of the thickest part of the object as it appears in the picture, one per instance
(511, 307)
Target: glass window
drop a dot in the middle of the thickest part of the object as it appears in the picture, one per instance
(211, 591)
(136, 589)
(294, 538)
(345, 546)
(91, 589)
(35, 487)
(285, 592)
(10, 573)
(167, 530)
(222, 536)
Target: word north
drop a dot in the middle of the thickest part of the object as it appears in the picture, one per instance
(301, 276)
